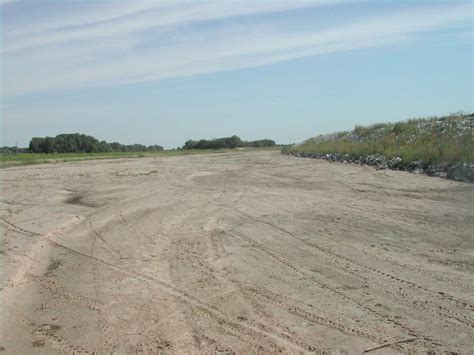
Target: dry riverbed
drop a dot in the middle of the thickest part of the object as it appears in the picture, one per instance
(234, 252)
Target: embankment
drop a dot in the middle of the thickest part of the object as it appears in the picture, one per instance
(438, 146)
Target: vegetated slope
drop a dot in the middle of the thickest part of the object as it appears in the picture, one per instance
(439, 146)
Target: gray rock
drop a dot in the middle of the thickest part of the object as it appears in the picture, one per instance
(437, 169)
(394, 163)
(461, 172)
(415, 165)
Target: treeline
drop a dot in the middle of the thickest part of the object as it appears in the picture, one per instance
(227, 142)
(12, 150)
(81, 143)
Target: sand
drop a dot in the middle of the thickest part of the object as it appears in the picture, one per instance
(234, 252)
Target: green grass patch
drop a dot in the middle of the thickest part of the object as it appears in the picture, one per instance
(18, 159)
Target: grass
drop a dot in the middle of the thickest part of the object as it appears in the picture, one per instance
(19, 159)
(445, 139)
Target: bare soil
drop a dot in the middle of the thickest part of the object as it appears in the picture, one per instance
(236, 252)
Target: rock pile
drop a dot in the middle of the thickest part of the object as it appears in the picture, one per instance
(459, 171)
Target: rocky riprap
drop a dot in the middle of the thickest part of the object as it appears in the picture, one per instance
(459, 171)
(433, 132)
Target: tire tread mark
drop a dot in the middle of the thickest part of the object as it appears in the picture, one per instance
(435, 309)
(183, 295)
(70, 296)
(382, 316)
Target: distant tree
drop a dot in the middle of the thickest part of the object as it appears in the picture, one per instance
(36, 144)
(103, 147)
(261, 143)
(48, 145)
(190, 144)
(116, 146)
(154, 148)
(233, 142)
(12, 150)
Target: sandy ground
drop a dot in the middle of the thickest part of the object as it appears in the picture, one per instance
(236, 252)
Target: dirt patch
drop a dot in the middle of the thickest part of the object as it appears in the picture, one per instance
(53, 265)
(79, 200)
(50, 327)
(38, 343)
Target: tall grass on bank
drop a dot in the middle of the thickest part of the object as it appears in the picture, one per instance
(447, 139)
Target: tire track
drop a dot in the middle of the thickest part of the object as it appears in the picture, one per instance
(45, 335)
(106, 245)
(183, 295)
(368, 334)
(330, 322)
(383, 317)
(29, 263)
(435, 275)
(105, 343)
(130, 227)
(353, 268)
(19, 229)
(72, 297)
(216, 252)
(231, 286)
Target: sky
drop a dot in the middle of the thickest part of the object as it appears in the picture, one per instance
(158, 72)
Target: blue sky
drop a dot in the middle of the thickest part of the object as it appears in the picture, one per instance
(163, 72)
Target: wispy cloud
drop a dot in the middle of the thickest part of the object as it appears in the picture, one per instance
(2, 2)
(120, 43)
(106, 21)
